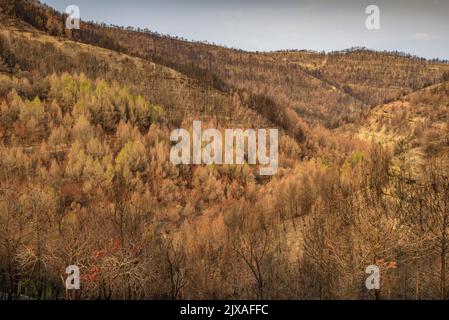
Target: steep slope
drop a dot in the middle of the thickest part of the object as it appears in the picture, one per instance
(48, 20)
(416, 127)
(372, 77)
(330, 89)
(182, 97)
(337, 90)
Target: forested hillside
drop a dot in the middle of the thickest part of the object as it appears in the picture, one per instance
(86, 177)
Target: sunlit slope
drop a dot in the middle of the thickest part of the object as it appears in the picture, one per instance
(414, 127)
(32, 54)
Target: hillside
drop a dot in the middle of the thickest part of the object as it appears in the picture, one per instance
(86, 177)
(331, 89)
(160, 84)
(415, 127)
(350, 82)
(370, 76)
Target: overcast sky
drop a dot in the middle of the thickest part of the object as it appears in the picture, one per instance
(419, 27)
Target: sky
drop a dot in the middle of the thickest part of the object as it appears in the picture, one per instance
(419, 27)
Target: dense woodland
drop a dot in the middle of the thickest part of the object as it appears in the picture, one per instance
(86, 179)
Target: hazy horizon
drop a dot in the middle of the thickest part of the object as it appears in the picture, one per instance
(417, 27)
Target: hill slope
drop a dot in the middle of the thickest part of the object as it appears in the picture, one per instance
(85, 175)
(416, 127)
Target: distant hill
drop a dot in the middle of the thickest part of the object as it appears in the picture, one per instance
(332, 89)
